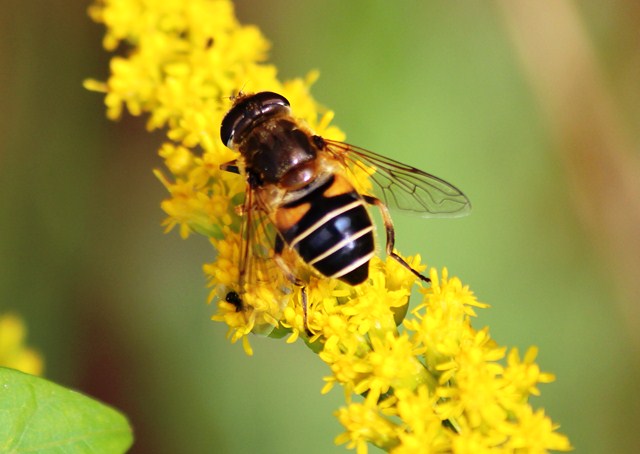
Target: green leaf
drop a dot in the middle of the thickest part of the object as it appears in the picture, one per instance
(37, 416)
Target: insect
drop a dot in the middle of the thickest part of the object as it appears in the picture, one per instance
(299, 189)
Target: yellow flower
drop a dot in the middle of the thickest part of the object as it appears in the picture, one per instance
(524, 375)
(422, 430)
(366, 423)
(431, 382)
(535, 433)
(13, 352)
(392, 362)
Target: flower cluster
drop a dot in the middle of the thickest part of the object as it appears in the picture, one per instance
(13, 352)
(430, 382)
(449, 391)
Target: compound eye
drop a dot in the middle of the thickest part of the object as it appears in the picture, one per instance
(250, 111)
(229, 124)
(269, 100)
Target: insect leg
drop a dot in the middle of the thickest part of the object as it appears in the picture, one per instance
(278, 248)
(391, 236)
(284, 266)
(303, 291)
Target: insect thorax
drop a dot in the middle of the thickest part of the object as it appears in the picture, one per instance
(277, 149)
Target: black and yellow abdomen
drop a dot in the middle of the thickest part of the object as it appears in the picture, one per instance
(330, 228)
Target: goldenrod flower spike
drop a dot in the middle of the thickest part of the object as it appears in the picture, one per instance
(432, 383)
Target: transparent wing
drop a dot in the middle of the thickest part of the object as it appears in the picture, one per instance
(262, 290)
(401, 186)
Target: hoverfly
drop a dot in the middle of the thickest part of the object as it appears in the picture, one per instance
(298, 187)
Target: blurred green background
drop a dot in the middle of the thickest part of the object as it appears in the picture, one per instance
(530, 107)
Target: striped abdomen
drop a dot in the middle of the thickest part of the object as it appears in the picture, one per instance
(331, 230)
